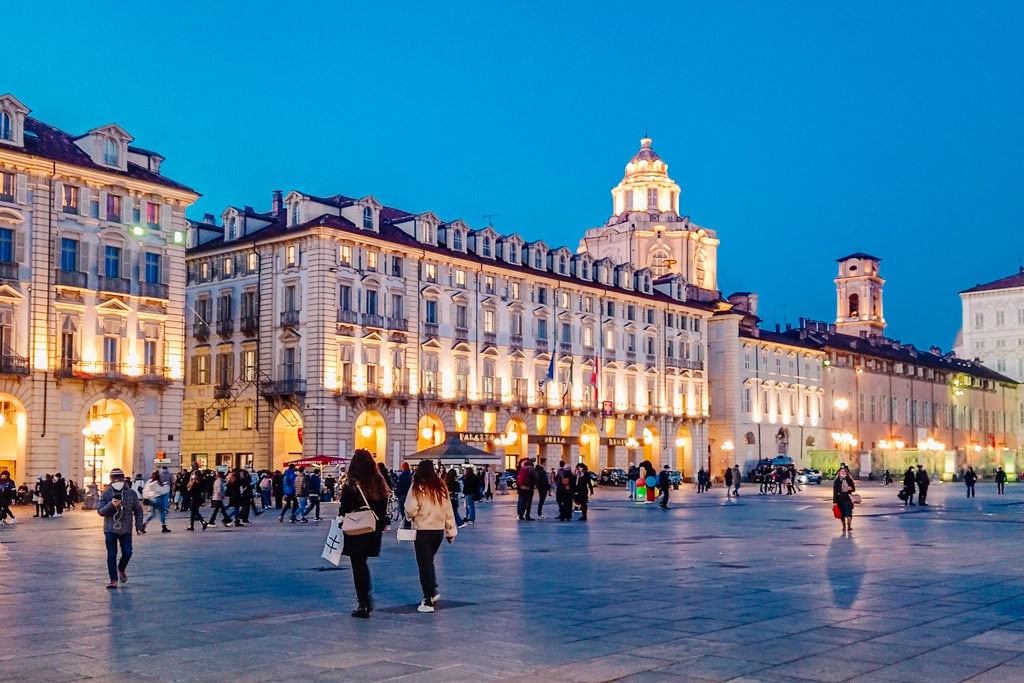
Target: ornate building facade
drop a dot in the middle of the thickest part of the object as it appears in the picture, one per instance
(92, 274)
(864, 399)
(332, 323)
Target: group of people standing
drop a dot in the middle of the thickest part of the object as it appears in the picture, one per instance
(573, 488)
(915, 482)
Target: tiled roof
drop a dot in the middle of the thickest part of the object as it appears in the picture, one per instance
(1015, 280)
(395, 235)
(43, 140)
(886, 349)
(858, 254)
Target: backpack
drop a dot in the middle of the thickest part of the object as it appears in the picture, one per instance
(523, 477)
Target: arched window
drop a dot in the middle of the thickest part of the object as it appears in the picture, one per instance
(457, 240)
(487, 246)
(367, 218)
(6, 130)
(854, 305)
(110, 156)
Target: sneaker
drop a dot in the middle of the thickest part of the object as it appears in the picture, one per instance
(458, 527)
(425, 607)
(437, 596)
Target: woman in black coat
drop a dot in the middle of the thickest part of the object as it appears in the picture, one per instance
(584, 487)
(842, 488)
(365, 485)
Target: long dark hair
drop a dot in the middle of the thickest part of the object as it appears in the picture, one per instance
(426, 481)
(363, 471)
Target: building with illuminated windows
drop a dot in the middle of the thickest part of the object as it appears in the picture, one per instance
(92, 275)
(332, 323)
(863, 398)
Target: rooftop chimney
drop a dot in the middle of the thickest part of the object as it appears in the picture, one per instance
(275, 204)
(208, 218)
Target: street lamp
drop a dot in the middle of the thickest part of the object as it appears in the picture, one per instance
(94, 432)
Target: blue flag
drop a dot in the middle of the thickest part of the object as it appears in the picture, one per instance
(551, 373)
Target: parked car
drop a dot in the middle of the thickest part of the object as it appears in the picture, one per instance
(612, 476)
(675, 477)
(808, 476)
(510, 479)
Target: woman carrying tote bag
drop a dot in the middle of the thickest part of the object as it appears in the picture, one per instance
(430, 509)
(364, 490)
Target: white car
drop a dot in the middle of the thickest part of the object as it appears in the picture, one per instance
(808, 477)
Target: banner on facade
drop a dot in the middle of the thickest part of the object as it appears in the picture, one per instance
(607, 409)
(477, 437)
(547, 440)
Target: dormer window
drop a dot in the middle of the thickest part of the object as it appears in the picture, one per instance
(6, 126)
(295, 213)
(537, 262)
(367, 218)
(232, 227)
(513, 253)
(111, 157)
(487, 247)
(561, 265)
(457, 241)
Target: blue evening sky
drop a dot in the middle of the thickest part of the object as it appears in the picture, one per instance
(799, 131)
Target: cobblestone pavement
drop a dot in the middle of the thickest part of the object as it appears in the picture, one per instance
(759, 589)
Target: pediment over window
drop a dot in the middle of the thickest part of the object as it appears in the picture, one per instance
(114, 306)
(10, 294)
(11, 217)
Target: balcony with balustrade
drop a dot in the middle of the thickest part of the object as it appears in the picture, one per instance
(115, 285)
(290, 318)
(71, 278)
(201, 330)
(225, 328)
(249, 325)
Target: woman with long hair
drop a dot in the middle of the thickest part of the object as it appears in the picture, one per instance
(842, 490)
(430, 509)
(365, 487)
(195, 500)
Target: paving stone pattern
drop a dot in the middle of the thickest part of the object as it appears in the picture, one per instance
(759, 589)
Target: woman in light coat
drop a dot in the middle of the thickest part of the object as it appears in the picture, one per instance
(429, 508)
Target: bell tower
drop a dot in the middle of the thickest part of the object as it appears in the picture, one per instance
(859, 296)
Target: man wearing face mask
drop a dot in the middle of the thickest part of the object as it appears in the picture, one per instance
(118, 505)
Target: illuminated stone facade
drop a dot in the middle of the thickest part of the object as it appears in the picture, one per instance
(357, 325)
(92, 266)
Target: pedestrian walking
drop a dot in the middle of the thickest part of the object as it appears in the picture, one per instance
(922, 486)
(541, 484)
(402, 487)
(288, 493)
(7, 494)
(663, 486)
(364, 488)
(728, 481)
(909, 486)
(488, 483)
(234, 496)
(842, 490)
(736, 480)
(433, 520)
(524, 490)
(217, 500)
(632, 475)
(970, 479)
(266, 490)
(120, 507)
(300, 495)
(454, 485)
(584, 489)
(650, 478)
(195, 500)
(278, 488)
(158, 495)
(313, 490)
(1000, 481)
(470, 489)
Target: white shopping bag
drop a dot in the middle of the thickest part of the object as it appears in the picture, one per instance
(333, 544)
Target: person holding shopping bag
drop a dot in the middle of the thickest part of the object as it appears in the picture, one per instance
(429, 508)
(364, 489)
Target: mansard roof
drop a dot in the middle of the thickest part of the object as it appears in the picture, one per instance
(1009, 282)
(48, 142)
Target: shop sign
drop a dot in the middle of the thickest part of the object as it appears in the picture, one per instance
(476, 437)
(161, 461)
(548, 440)
(615, 441)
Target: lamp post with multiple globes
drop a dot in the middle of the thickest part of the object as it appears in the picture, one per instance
(94, 433)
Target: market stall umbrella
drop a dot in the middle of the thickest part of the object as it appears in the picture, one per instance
(454, 451)
(318, 461)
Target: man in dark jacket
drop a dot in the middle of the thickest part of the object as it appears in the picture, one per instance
(1000, 482)
(908, 486)
(663, 485)
(632, 476)
(402, 487)
(565, 484)
(584, 487)
(922, 485)
(118, 505)
(542, 484)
